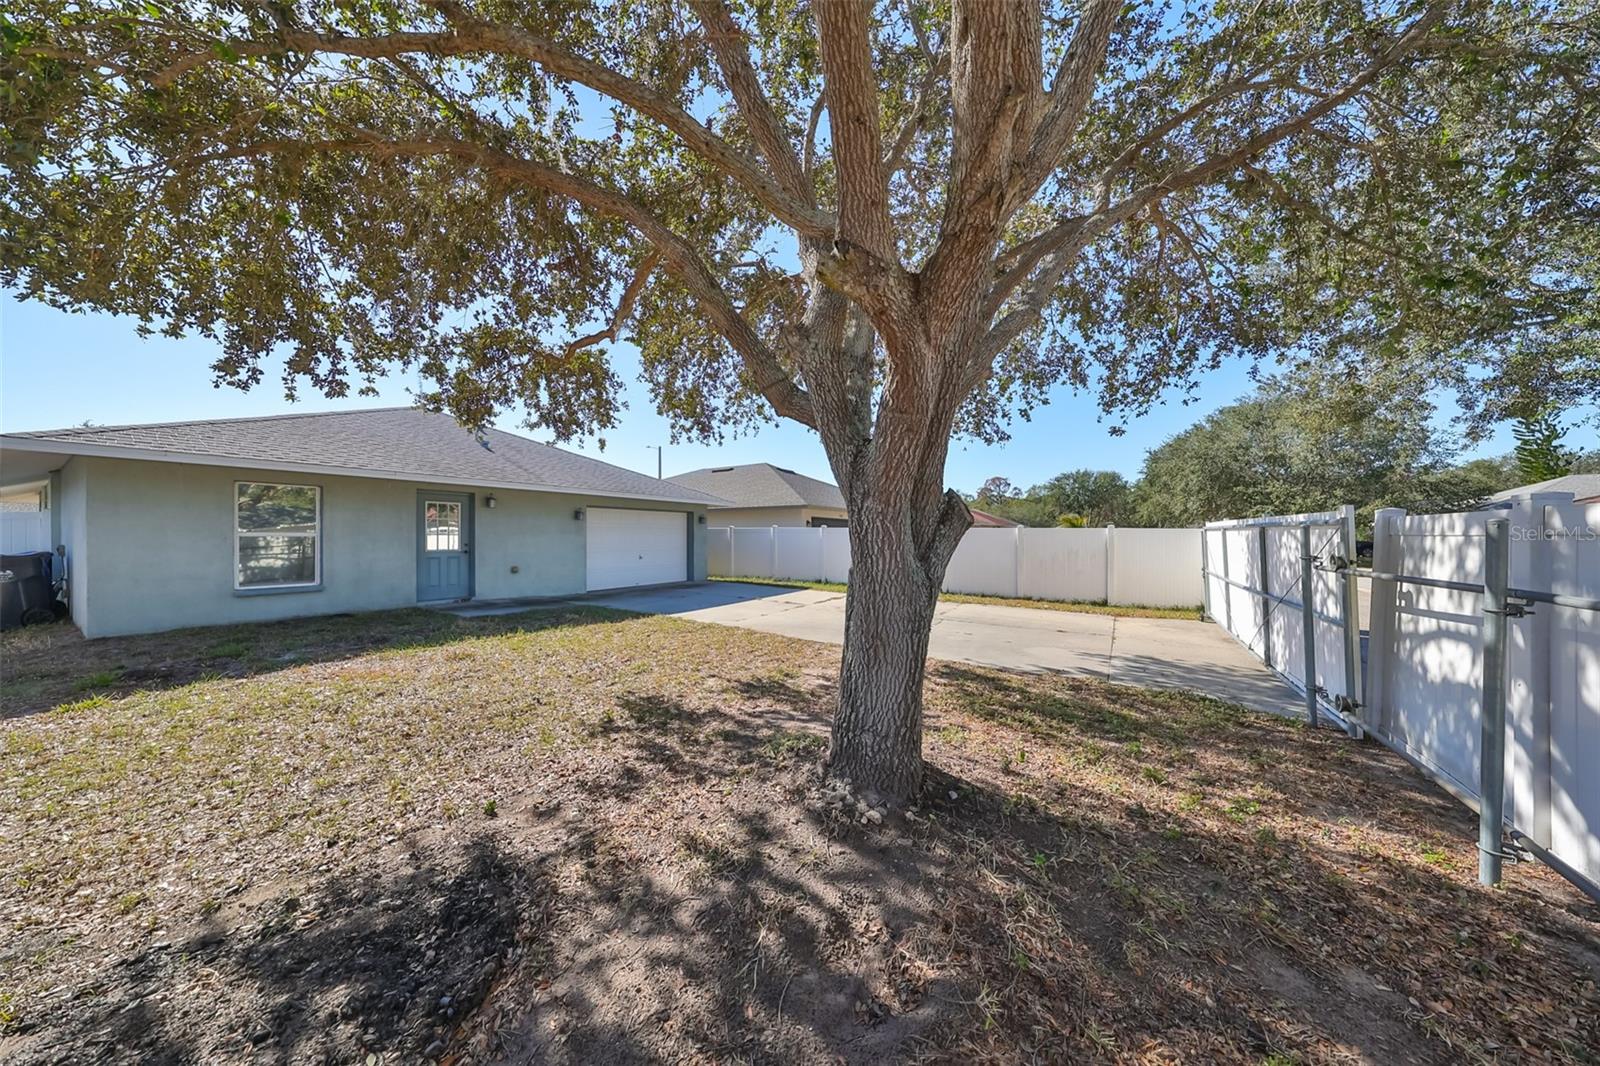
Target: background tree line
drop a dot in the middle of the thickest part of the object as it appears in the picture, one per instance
(1285, 450)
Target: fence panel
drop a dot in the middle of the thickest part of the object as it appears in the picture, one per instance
(751, 554)
(1574, 781)
(24, 531)
(1060, 564)
(1435, 680)
(796, 553)
(719, 541)
(985, 563)
(835, 553)
(1151, 567)
(1423, 692)
(1253, 577)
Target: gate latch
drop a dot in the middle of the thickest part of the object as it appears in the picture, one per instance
(1517, 608)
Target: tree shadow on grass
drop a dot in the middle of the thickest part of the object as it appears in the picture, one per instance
(1299, 765)
(705, 913)
(385, 960)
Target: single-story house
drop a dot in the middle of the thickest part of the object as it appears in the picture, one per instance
(1585, 488)
(245, 520)
(985, 520)
(760, 494)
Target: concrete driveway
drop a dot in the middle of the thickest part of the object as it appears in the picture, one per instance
(1154, 652)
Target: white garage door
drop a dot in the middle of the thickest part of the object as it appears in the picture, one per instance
(636, 547)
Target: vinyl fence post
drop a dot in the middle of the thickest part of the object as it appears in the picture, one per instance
(1492, 750)
(772, 552)
(1388, 557)
(1266, 596)
(1111, 564)
(1227, 588)
(1350, 597)
(1016, 562)
(1308, 627)
(1205, 573)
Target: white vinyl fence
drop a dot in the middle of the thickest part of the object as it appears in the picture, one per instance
(1254, 585)
(1421, 688)
(24, 531)
(1147, 567)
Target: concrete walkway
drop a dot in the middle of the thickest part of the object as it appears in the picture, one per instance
(1153, 652)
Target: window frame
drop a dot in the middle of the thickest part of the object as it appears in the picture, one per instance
(457, 531)
(316, 535)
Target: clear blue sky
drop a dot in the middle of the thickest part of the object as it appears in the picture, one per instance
(59, 369)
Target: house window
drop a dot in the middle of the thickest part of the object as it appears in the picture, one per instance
(277, 535)
(442, 526)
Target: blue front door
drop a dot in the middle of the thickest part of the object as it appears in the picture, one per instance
(444, 546)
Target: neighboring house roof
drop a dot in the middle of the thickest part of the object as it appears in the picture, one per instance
(983, 519)
(1584, 488)
(762, 485)
(401, 443)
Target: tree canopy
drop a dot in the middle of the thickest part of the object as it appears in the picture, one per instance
(1540, 453)
(495, 192)
(1289, 451)
(1097, 497)
(891, 221)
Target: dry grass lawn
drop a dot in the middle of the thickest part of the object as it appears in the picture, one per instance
(574, 835)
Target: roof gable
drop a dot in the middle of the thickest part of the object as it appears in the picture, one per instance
(1582, 487)
(762, 485)
(404, 443)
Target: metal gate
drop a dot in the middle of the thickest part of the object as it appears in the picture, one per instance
(1481, 662)
(1270, 582)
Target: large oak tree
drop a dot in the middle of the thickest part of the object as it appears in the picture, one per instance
(893, 222)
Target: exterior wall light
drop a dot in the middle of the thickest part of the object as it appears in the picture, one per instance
(577, 516)
(489, 502)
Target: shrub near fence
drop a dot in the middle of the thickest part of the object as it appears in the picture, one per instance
(1144, 567)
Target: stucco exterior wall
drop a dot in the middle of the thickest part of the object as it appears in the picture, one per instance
(537, 533)
(769, 516)
(70, 510)
(153, 545)
(820, 512)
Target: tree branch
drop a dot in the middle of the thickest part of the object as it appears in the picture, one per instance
(1293, 203)
(770, 377)
(953, 521)
(728, 43)
(1074, 232)
(1130, 154)
(907, 134)
(843, 28)
(469, 37)
(630, 295)
(809, 158)
(1070, 93)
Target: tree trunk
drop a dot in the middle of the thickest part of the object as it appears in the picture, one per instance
(877, 732)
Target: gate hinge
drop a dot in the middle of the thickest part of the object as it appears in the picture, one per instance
(1515, 608)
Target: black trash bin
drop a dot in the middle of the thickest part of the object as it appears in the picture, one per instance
(27, 594)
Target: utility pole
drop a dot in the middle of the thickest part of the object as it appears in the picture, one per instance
(658, 449)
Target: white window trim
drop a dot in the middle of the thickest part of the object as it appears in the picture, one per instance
(316, 567)
(459, 529)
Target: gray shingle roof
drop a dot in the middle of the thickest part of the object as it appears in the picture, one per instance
(762, 485)
(403, 442)
(1582, 487)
